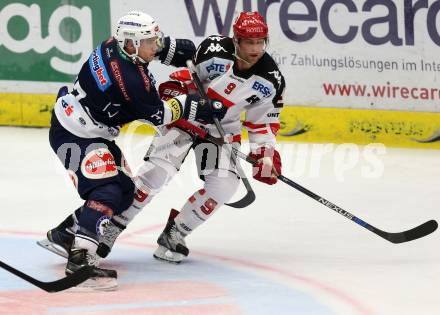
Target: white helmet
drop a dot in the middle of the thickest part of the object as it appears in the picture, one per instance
(136, 25)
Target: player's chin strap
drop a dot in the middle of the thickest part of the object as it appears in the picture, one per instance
(250, 195)
(239, 58)
(235, 54)
(132, 57)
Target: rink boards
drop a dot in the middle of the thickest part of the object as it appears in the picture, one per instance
(298, 123)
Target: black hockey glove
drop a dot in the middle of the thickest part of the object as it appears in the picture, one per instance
(176, 51)
(200, 110)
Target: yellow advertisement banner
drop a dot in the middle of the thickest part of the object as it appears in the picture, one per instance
(300, 124)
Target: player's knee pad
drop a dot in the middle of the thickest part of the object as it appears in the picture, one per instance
(221, 185)
(155, 174)
(150, 180)
(142, 196)
(98, 209)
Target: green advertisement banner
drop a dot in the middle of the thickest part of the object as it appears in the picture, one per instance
(48, 41)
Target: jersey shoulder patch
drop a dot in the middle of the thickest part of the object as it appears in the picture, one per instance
(215, 46)
(268, 69)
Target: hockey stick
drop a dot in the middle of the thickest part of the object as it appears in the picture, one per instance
(71, 280)
(396, 238)
(250, 195)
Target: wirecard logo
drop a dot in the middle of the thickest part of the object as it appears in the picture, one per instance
(377, 22)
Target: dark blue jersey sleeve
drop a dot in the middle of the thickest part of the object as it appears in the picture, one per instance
(116, 91)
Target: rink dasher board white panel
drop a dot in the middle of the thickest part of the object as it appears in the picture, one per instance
(304, 83)
(339, 33)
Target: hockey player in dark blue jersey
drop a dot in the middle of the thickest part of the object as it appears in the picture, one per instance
(113, 87)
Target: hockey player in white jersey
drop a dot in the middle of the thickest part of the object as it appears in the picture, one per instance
(245, 78)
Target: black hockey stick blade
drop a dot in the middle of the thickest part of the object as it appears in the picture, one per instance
(243, 202)
(396, 238)
(71, 280)
(410, 235)
(250, 195)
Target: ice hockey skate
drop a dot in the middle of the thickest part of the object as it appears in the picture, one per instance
(172, 247)
(60, 239)
(102, 279)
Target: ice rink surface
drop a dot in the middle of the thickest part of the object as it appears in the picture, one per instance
(284, 254)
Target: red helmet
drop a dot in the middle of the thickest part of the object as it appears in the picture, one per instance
(250, 25)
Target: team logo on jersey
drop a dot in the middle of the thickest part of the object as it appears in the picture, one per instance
(219, 67)
(214, 48)
(273, 115)
(213, 76)
(158, 117)
(99, 164)
(252, 99)
(109, 107)
(68, 109)
(277, 76)
(114, 65)
(261, 88)
(82, 121)
(98, 70)
(145, 78)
